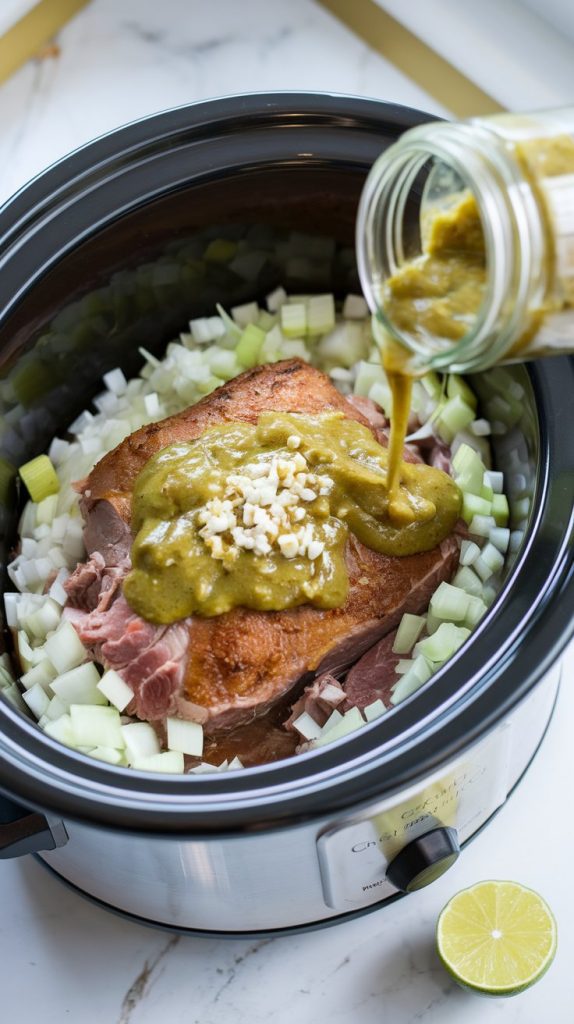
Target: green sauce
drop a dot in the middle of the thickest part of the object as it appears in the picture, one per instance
(174, 572)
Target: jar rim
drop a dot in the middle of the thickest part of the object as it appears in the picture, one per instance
(511, 225)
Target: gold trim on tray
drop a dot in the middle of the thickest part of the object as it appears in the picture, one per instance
(35, 28)
(413, 57)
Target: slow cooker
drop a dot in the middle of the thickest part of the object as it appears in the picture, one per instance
(101, 255)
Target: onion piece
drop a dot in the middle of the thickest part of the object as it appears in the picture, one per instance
(115, 689)
(170, 761)
(79, 686)
(64, 648)
(307, 727)
(184, 737)
(97, 726)
(140, 740)
(37, 700)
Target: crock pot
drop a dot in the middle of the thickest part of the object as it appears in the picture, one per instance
(102, 254)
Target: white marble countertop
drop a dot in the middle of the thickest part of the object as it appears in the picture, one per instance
(63, 959)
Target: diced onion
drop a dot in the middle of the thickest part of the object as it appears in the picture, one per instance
(79, 686)
(37, 700)
(169, 761)
(307, 727)
(64, 648)
(140, 740)
(184, 737)
(246, 314)
(117, 691)
(275, 299)
(355, 308)
(97, 726)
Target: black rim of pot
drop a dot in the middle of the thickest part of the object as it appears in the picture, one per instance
(512, 649)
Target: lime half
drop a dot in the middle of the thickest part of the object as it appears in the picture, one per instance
(496, 937)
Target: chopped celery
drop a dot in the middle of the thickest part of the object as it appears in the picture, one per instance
(432, 622)
(491, 557)
(294, 319)
(449, 603)
(500, 537)
(380, 393)
(496, 480)
(230, 325)
(220, 250)
(480, 526)
(443, 644)
(468, 552)
(320, 314)
(266, 321)
(367, 375)
(481, 428)
(475, 611)
(456, 385)
(469, 470)
(349, 722)
(410, 628)
(249, 345)
(473, 506)
(486, 491)
(467, 580)
(432, 385)
(412, 680)
(40, 478)
(500, 509)
(374, 710)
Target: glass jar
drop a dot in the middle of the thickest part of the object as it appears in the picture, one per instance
(518, 170)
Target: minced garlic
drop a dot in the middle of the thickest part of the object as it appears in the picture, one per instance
(263, 510)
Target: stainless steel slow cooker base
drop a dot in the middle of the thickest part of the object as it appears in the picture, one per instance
(307, 876)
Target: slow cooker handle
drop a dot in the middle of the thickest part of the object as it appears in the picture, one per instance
(23, 831)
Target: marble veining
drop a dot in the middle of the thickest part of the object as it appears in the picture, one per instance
(62, 958)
